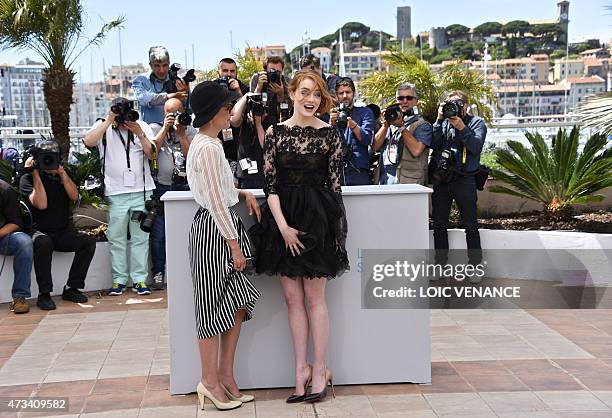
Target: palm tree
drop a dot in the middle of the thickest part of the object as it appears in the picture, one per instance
(54, 30)
(431, 86)
(558, 177)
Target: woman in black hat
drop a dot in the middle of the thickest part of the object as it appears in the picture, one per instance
(218, 247)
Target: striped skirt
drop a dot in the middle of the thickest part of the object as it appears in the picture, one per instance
(218, 290)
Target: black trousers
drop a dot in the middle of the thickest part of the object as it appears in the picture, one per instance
(65, 240)
(463, 191)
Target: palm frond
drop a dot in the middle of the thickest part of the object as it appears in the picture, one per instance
(431, 86)
(596, 113)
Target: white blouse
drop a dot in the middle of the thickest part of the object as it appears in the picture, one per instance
(211, 182)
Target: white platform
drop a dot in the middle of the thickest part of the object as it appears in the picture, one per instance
(366, 346)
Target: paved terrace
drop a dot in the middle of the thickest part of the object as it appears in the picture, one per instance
(111, 358)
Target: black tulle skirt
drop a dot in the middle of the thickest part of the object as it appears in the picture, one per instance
(319, 215)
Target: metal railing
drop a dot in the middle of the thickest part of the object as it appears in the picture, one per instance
(500, 131)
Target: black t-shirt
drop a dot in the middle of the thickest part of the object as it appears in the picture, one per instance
(230, 148)
(57, 214)
(9, 206)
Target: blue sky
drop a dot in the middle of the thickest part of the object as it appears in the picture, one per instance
(207, 25)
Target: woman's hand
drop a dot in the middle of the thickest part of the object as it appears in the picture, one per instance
(290, 235)
(238, 258)
(252, 205)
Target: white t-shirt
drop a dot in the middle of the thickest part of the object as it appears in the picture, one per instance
(117, 179)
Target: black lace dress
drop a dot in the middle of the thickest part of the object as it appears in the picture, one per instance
(302, 166)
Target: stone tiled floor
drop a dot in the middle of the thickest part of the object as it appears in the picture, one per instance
(485, 363)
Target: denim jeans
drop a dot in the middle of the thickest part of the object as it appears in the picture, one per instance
(158, 237)
(19, 245)
(463, 191)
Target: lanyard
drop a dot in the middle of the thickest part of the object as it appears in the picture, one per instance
(127, 147)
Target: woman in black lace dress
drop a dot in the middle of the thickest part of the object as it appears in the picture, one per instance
(303, 229)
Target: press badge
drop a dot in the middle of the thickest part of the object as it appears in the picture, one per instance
(228, 135)
(129, 178)
(393, 153)
(253, 168)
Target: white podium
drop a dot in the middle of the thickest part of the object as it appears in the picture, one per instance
(366, 346)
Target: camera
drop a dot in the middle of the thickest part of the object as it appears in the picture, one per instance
(44, 159)
(343, 115)
(223, 81)
(285, 111)
(274, 76)
(170, 84)
(179, 173)
(452, 108)
(153, 208)
(125, 111)
(442, 170)
(255, 104)
(183, 118)
(393, 113)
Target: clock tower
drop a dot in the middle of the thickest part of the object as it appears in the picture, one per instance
(563, 19)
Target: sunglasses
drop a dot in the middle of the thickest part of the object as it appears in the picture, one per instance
(402, 98)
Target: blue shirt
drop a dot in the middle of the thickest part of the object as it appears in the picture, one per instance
(422, 133)
(364, 118)
(151, 98)
(472, 138)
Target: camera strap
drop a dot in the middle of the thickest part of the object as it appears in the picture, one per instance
(127, 146)
(152, 79)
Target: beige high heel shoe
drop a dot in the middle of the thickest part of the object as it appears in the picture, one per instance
(243, 398)
(204, 393)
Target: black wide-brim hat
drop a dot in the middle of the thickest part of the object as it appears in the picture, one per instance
(206, 99)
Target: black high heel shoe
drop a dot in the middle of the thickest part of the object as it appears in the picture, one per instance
(300, 398)
(318, 397)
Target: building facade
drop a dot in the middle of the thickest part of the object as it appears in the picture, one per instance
(22, 99)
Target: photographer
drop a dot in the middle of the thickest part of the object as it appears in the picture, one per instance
(124, 145)
(152, 91)
(172, 140)
(272, 84)
(228, 73)
(404, 139)
(17, 244)
(313, 63)
(250, 114)
(49, 191)
(356, 126)
(458, 139)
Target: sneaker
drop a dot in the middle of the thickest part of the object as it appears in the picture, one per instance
(158, 281)
(74, 295)
(141, 288)
(45, 302)
(19, 305)
(116, 290)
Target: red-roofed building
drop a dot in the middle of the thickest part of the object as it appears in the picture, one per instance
(581, 87)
